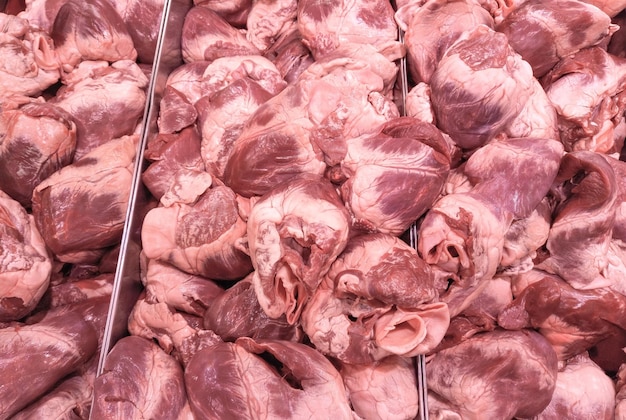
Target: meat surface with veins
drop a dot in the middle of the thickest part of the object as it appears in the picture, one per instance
(90, 31)
(586, 193)
(374, 389)
(325, 26)
(394, 175)
(378, 299)
(205, 229)
(582, 391)
(235, 380)
(80, 210)
(295, 232)
(207, 36)
(25, 266)
(568, 318)
(106, 102)
(268, 19)
(37, 139)
(431, 27)
(498, 374)
(545, 31)
(483, 80)
(588, 91)
(139, 380)
(306, 125)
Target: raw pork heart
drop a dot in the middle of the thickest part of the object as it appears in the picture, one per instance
(37, 140)
(181, 291)
(325, 26)
(583, 391)
(169, 154)
(480, 85)
(25, 266)
(432, 26)
(295, 232)
(47, 351)
(589, 118)
(541, 31)
(106, 102)
(90, 31)
(237, 313)
(378, 299)
(375, 388)
(29, 63)
(207, 36)
(581, 231)
(80, 210)
(239, 380)
(395, 175)
(203, 235)
(568, 318)
(306, 124)
(139, 380)
(496, 375)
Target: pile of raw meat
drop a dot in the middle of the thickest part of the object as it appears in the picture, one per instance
(291, 165)
(73, 80)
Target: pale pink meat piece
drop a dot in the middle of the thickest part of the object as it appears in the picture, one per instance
(566, 317)
(234, 12)
(306, 125)
(295, 232)
(478, 88)
(47, 351)
(29, 61)
(175, 112)
(463, 234)
(207, 36)
(431, 27)
(80, 210)
(37, 139)
(179, 290)
(168, 154)
(105, 101)
(325, 26)
(234, 380)
(580, 235)
(237, 313)
(394, 175)
(139, 380)
(588, 91)
(545, 31)
(41, 13)
(374, 389)
(538, 118)
(204, 230)
(378, 299)
(25, 266)
(174, 333)
(498, 374)
(90, 32)
(268, 19)
(610, 7)
(582, 390)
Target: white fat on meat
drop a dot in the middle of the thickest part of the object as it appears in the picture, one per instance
(204, 233)
(374, 389)
(29, 60)
(25, 265)
(295, 232)
(378, 299)
(326, 26)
